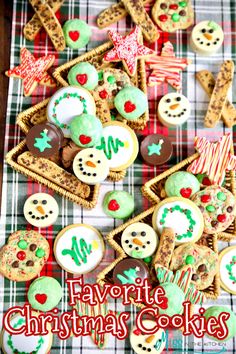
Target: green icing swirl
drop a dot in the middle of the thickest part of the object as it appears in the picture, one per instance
(78, 252)
(110, 146)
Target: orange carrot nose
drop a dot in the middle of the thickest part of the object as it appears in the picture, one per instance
(90, 164)
(150, 339)
(137, 242)
(208, 36)
(40, 209)
(174, 106)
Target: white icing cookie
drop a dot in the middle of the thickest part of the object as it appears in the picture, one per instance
(206, 38)
(120, 145)
(79, 248)
(227, 267)
(180, 214)
(139, 240)
(147, 343)
(12, 344)
(173, 109)
(41, 210)
(67, 103)
(91, 166)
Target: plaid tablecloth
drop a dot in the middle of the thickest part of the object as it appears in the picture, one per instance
(17, 188)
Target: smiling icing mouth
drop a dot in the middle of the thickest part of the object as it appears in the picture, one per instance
(175, 115)
(45, 216)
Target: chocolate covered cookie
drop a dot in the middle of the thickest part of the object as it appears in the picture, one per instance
(156, 149)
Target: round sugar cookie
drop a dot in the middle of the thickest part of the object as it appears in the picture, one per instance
(83, 75)
(120, 145)
(180, 214)
(118, 204)
(77, 33)
(79, 248)
(182, 184)
(67, 103)
(86, 130)
(20, 343)
(227, 269)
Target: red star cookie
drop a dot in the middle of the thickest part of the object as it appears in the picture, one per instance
(33, 71)
(127, 49)
(166, 67)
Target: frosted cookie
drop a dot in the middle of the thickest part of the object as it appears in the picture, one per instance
(118, 204)
(156, 149)
(139, 240)
(173, 109)
(83, 75)
(129, 270)
(85, 130)
(79, 248)
(218, 207)
(206, 38)
(91, 166)
(227, 269)
(24, 255)
(131, 103)
(180, 214)
(77, 33)
(44, 294)
(20, 343)
(182, 184)
(67, 103)
(120, 145)
(145, 343)
(203, 260)
(41, 210)
(215, 311)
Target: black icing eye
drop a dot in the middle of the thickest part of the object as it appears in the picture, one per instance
(94, 175)
(99, 161)
(50, 212)
(168, 100)
(80, 160)
(148, 242)
(211, 30)
(178, 99)
(44, 202)
(30, 213)
(143, 233)
(91, 155)
(35, 202)
(133, 233)
(203, 30)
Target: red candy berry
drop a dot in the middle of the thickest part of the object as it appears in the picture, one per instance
(129, 107)
(173, 6)
(103, 94)
(113, 205)
(84, 139)
(74, 35)
(21, 255)
(186, 192)
(221, 217)
(82, 78)
(163, 18)
(206, 181)
(205, 198)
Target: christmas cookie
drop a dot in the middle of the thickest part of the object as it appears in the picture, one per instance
(20, 343)
(77, 33)
(83, 75)
(41, 210)
(44, 140)
(67, 103)
(79, 248)
(165, 248)
(180, 214)
(173, 109)
(110, 82)
(227, 269)
(139, 240)
(129, 270)
(206, 38)
(215, 311)
(120, 145)
(156, 149)
(203, 260)
(203, 179)
(131, 103)
(91, 166)
(171, 15)
(118, 204)
(218, 207)
(85, 130)
(145, 343)
(181, 184)
(24, 255)
(44, 294)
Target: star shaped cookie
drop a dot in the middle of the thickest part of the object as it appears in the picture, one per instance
(127, 49)
(33, 71)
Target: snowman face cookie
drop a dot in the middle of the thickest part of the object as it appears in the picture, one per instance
(173, 109)
(41, 210)
(147, 343)
(206, 37)
(139, 240)
(91, 166)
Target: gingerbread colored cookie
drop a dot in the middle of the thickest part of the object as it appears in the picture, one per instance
(165, 248)
(156, 149)
(203, 260)
(173, 109)
(83, 75)
(77, 33)
(218, 207)
(86, 130)
(227, 269)
(129, 270)
(24, 255)
(181, 184)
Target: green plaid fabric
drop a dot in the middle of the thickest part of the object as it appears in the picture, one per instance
(16, 188)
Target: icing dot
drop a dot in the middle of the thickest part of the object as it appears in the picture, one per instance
(40, 253)
(175, 17)
(111, 79)
(221, 217)
(21, 255)
(182, 4)
(210, 208)
(221, 196)
(189, 260)
(22, 244)
(205, 198)
(163, 18)
(173, 6)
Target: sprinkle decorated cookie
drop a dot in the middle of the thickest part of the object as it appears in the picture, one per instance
(182, 215)
(79, 248)
(156, 149)
(129, 270)
(173, 109)
(67, 103)
(77, 33)
(181, 184)
(218, 207)
(24, 255)
(227, 269)
(139, 240)
(206, 38)
(44, 294)
(83, 75)
(118, 204)
(85, 130)
(120, 145)
(20, 343)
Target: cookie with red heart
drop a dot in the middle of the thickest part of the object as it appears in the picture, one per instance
(86, 130)
(84, 75)
(118, 204)
(24, 255)
(182, 184)
(77, 33)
